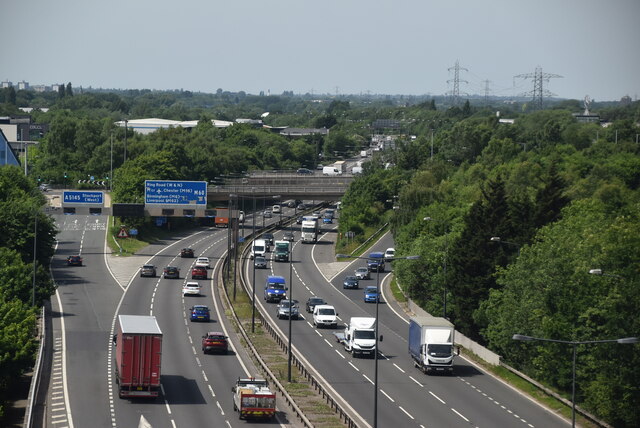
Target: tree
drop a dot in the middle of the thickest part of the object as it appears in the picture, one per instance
(68, 91)
(10, 96)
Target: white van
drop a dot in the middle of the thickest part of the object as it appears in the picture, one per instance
(330, 170)
(259, 248)
(276, 209)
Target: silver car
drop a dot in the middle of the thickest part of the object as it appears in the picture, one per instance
(362, 273)
(260, 262)
(288, 308)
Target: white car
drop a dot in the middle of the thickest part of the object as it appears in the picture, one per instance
(325, 316)
(389, 253)
(202, 262)
(362, 273)
(191, 288)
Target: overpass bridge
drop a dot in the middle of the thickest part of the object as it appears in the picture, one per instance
(283, 185)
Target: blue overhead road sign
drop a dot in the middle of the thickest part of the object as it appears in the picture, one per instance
(80, 197)
(163, 192)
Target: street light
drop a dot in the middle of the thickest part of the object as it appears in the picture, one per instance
(290, 310)
(500, 240)
(575, 343)
(378, 338)
(253, 237)
(446, 252)
(599, 272)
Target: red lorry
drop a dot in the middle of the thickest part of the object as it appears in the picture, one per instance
(138, 356)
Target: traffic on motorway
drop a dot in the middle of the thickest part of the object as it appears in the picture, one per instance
(331, 307)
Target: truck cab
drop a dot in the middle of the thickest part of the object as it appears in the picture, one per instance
(359, 336)
(281, 252)
(253, 399)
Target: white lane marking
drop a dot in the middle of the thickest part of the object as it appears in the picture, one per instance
(437, 398)
(351, 364)
(407, 413)
(421, 385)
(398, 367)
(64, 359)
(340, 353)
(388, 396)
(328, 343)
(459, 414)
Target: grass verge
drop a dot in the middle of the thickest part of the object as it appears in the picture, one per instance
(305, 396)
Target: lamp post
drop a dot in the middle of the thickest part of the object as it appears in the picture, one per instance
(500, 240)
(378, 338)
(253, 236)
(446, 252)
(290, 310)
(599, 272)
(574, 344)
(111, 171)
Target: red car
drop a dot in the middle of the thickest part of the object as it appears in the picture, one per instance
(199, 272)
(215, 341)
(74, 261)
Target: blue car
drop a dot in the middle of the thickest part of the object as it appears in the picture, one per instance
(371, 294)
(327, 220)
(200, 313)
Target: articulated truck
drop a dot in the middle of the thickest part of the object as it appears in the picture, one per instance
(138, 356)
(309, 230)
(431, 342)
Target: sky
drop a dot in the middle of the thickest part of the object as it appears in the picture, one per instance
(394, 47)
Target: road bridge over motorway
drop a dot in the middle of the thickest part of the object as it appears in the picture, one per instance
(286, 185)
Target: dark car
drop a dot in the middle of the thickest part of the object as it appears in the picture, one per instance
(74, 261)
(351, 281)
(200, 313)
(199, 272)
(266, 214)
(171, 272)
(313, 301)
(215, 341)
(260, 262)
(302, 207)
(268, 238)
(371, 294)
(187, 253)
(304, 171)
(299, 220)
(375, 263)
(148, 270)
(288, 236)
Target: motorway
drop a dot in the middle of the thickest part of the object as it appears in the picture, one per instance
(82, 390)
(407, 397)
(196, 386)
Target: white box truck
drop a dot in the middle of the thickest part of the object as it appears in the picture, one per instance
(431, 343)
(309, 231)
(359, 336)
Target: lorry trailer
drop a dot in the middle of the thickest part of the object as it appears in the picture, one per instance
(138, 356)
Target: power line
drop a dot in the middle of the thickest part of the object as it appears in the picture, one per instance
(538, 91)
